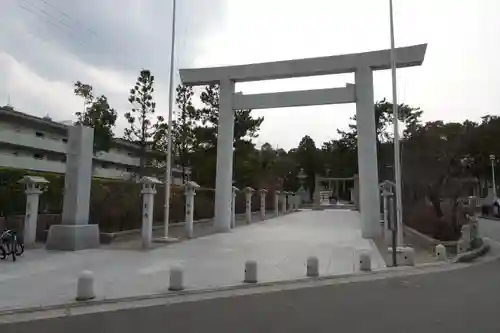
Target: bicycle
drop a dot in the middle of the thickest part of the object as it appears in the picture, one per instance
(10, 244)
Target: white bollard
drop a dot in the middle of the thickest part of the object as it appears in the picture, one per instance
(250, 271)
(441, 252)
(176, 279)
(408, 256)
(312, 267)
(85, 286)
(365, 262)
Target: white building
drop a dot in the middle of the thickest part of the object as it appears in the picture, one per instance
(39, 144)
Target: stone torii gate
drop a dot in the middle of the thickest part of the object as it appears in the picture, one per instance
(361, 93)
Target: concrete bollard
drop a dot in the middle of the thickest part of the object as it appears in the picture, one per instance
(85, 286)
(312, 267)
(250, 271)
(441, 252)
(176, 279)
(365, 262)
(462, 246)
(408, 256)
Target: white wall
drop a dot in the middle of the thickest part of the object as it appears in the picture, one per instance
(27, 137)
(24, 142)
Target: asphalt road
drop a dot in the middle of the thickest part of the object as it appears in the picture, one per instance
(463, 300)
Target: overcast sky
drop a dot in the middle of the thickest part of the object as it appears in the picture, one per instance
(46, 45)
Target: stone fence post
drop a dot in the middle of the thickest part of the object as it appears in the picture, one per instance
(277, 203)
(190, 191)
(290, 199)
(283, 202)
(387, 231)
(233, 206)
(33, 188)
(263, 193)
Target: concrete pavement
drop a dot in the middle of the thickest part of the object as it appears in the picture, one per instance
(280, 246)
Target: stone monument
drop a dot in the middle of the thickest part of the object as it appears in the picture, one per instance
(75, 232)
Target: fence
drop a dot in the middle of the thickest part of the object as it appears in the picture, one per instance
(114, 204)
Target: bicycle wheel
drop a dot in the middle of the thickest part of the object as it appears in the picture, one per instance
(11, 248)
(3, 252)
(19, 249)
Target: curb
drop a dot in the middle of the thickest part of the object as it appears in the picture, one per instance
(493, 218)
(472, 255)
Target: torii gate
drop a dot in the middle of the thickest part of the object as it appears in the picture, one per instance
(361, 93)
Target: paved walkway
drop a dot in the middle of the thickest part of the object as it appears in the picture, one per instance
(280, 246)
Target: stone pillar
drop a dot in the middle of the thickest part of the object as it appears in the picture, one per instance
(290, 199)
(283, 202)
(33, 188)
(387, 231)
(190, 191)
(75, 232)
(367, 154)
(355, 192)
(233, 207)
(263, 193)
(148, 192)
(316, 195)
(248, 204)
(224, 172)
(277, 203)
(297, 202)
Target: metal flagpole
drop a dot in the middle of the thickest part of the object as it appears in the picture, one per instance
(168, 170)
(397, 156)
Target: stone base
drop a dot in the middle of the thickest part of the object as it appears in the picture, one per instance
(166, 240)
(64, 237)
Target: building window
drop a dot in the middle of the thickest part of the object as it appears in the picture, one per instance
(39, 134)
(38, 156)
(65, 140)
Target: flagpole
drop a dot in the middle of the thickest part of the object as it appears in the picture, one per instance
(397, 156)
(168, 170)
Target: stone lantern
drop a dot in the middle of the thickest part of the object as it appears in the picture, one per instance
(148, 191)
(248, 204)
(190, 191)
(33, 187)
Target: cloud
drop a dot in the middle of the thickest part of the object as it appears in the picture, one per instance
(106, 42)
(50, 44)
